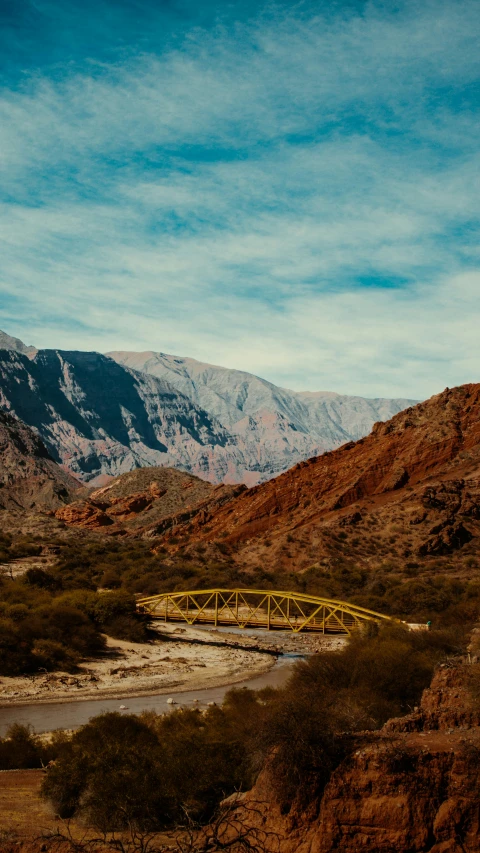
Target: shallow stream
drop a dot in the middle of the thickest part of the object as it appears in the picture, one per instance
(70, 715)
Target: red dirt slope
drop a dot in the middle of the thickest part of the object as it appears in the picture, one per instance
(415, 477)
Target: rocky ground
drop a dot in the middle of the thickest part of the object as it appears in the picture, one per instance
(411, 787)
(182, 659)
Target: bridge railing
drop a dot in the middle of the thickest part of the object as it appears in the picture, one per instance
(269, 609)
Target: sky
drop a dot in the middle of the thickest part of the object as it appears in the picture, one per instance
(286, 188)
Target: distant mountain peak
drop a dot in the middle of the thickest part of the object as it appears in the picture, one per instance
(272, 427)
(7, 342)
(108, 414)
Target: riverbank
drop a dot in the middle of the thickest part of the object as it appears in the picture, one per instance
(182, 659)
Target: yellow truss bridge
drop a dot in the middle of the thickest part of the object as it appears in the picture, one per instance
(257, 608)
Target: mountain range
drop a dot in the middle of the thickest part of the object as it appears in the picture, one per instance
(403, 500)
(104, 415)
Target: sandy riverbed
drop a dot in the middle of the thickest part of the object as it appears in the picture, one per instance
(183, 659)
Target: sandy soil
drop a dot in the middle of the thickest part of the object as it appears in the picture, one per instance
(183, 659)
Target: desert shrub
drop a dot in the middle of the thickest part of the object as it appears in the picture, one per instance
(204, 759)
(111, 773)
(38, 630)
(111, 605)
(17, 612)
(111, 579)
(334, 694)
(42, 579)
(67, 626)
(111, 612)
(301, 745)
(384, 673)
(20, 749)
(15, 650)
(51, 655)
(150, 770)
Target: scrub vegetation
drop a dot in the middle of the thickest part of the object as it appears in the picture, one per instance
(56, 617)
(120, 771)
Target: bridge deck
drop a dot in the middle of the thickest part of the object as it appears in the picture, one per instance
(259, 609)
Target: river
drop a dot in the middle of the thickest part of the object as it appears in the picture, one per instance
(71, 715)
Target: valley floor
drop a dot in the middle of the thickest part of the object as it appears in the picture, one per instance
(182, 659)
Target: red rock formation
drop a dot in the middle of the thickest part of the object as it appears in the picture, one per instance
(84, 514)
(423, 463)
(137, 499)
(125, 507)
(413, 787)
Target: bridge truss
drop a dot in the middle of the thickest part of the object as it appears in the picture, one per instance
(256, 608)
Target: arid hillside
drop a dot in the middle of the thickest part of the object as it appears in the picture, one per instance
(391, 521)
(142, 498)
(405, 496)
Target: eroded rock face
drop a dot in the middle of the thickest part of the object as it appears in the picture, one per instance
(29, 477)
(448, 537)
(99, 418)
(412, 787)
(400, 797)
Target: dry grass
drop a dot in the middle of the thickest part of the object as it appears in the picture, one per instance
(22, 811)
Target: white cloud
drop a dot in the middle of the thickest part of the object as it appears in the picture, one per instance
(230, 201)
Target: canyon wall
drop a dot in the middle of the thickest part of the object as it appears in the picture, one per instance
(412, 787)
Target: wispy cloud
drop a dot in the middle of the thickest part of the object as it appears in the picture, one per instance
(295, 195)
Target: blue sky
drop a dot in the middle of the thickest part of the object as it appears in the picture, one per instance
(287, 188)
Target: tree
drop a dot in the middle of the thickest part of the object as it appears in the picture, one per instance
(111, 773)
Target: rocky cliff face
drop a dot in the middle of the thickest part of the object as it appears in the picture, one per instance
(412, 787)
(102, 415)
(98, 418)
(29, 477)
(273, 427)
